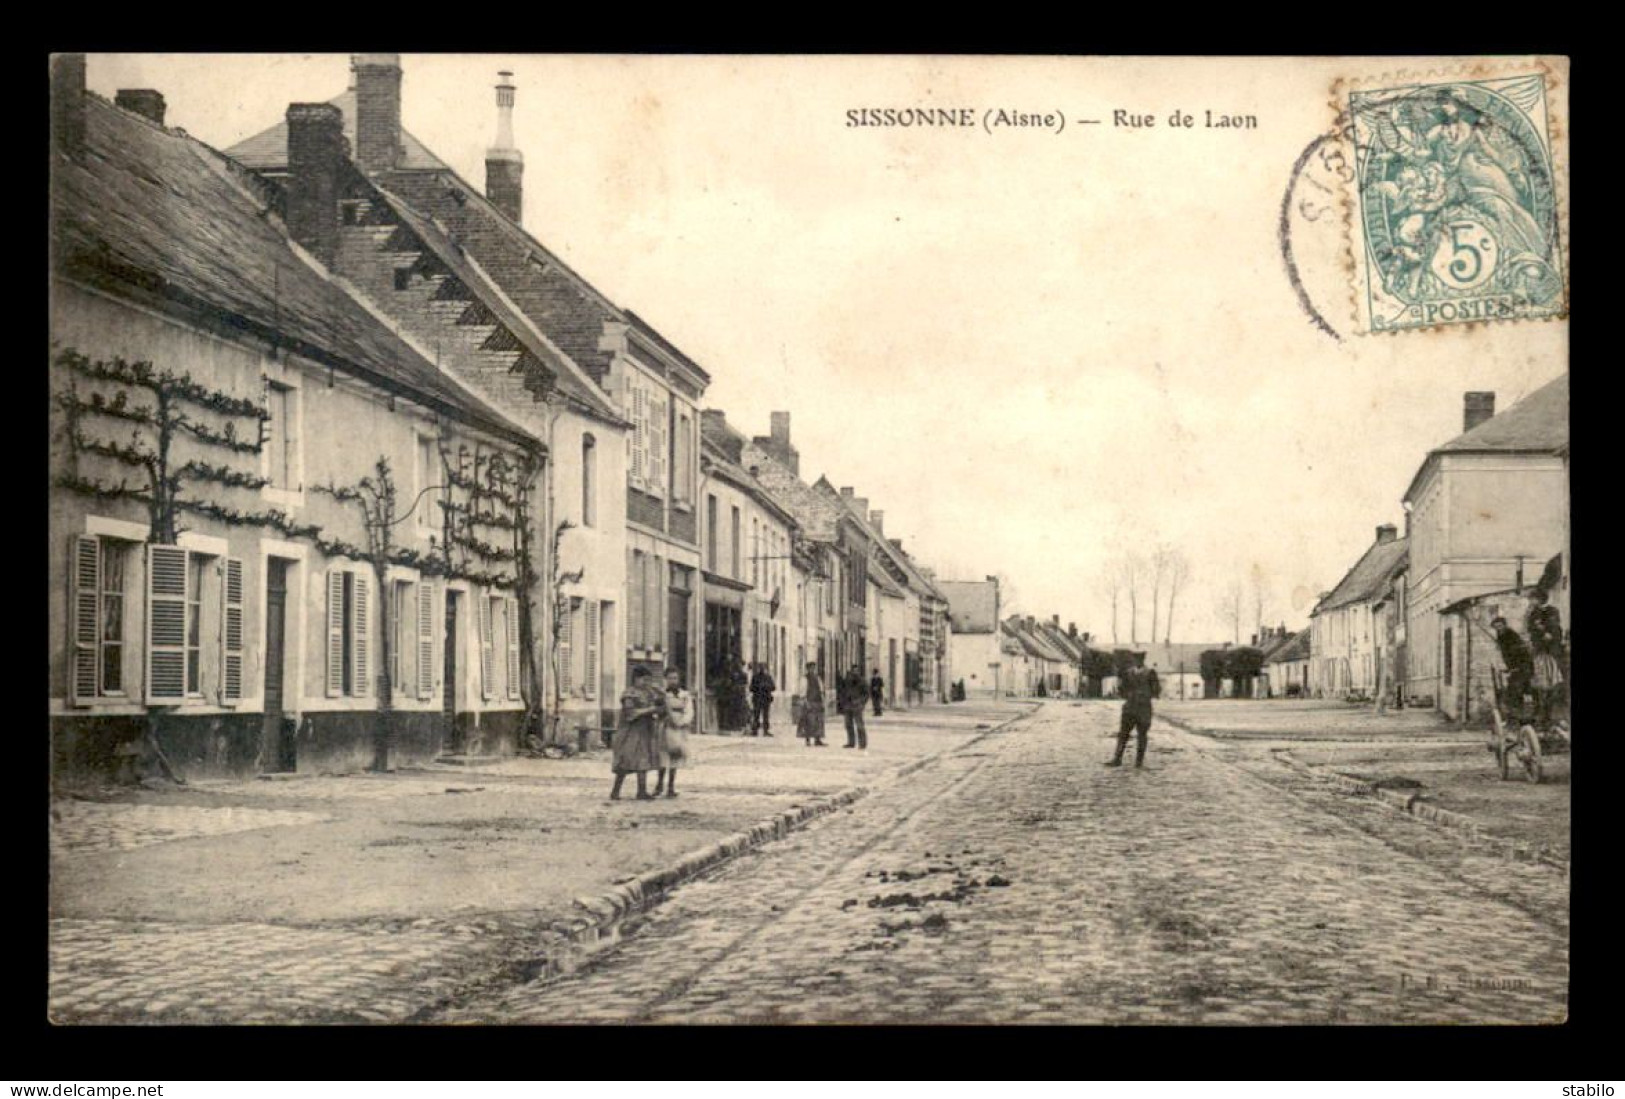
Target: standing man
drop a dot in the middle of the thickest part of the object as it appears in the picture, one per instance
(1138, 685)
(877, 688)
(1520, 669)
(850, 698)
(761, 700)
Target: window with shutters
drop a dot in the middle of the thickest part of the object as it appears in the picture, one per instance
(711, 533)
(403, 638)
(349, 634)
(658, 443)
(424, 640)
(591, 617)
(232, 646)
(98, 609)
(510, 616)
(638, 438)
(567, 649)
(487, 647)
(176, 593)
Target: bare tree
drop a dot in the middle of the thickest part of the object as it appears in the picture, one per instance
(1110, 586)
(1161, 560)
(1131, 568)
(1260, 595)
(1231, 605)
(1179, 571)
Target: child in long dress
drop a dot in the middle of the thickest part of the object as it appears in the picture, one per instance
(674, 750)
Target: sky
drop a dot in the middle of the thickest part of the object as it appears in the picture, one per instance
(1034, 350)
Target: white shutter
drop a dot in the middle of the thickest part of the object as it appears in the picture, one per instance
(567, 662)
(589, 646)
(166, 622)
(425, 640)
(361, 634)
(634, 589)
(640, 431)
(231, 633)
(510, 611)
(84, 618)
(335, 632)
(487, 650)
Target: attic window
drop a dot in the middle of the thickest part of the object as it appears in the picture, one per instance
(403, 278)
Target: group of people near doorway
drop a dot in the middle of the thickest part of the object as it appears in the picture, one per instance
(656, 720)
(1537, 669)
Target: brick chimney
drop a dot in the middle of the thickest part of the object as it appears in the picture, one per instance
(877, 519)
(1387, 533)
(377, 111)
(777, 443)
(146, 102)
(316, 152)
(1476, 408)
(504, 164)
(68, 102)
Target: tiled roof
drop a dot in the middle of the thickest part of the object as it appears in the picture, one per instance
(267, 151)
(150, 212)
(1035, 644)
(1369, 577)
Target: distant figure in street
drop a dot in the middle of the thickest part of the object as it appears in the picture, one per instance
(850, 698)
(674, 733)
(810, 727)
(1545, 626)
(1138, 685)
(761, 701)
(635, 749)
(877, 689)
(1520, 669)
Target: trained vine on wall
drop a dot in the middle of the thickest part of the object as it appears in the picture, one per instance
(162, 406)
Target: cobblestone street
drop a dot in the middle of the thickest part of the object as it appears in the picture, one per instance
(1018, 880)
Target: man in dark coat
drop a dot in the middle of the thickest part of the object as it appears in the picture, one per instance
(761, 700)
(1138, 685)
(1520, 668)
(850, 698)
(877, 690)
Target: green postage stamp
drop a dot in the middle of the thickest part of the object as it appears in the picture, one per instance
(1459, 202)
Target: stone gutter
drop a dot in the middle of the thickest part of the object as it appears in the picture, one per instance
(605, 916)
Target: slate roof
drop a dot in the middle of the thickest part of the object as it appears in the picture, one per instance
(569, 309)
(971, 604)
(1168, 659)
(267, 151)
(152, 214)
(713, 445)
(1292, 649)
(901, 560)
(571, 379)
(1369, 577)
(1537, 424)
(1035, 644)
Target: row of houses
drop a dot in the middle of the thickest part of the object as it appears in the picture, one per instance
(335, 437)
(1486, 523)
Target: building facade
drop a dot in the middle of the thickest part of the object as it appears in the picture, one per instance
(1485, 511)
(1347, 634)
